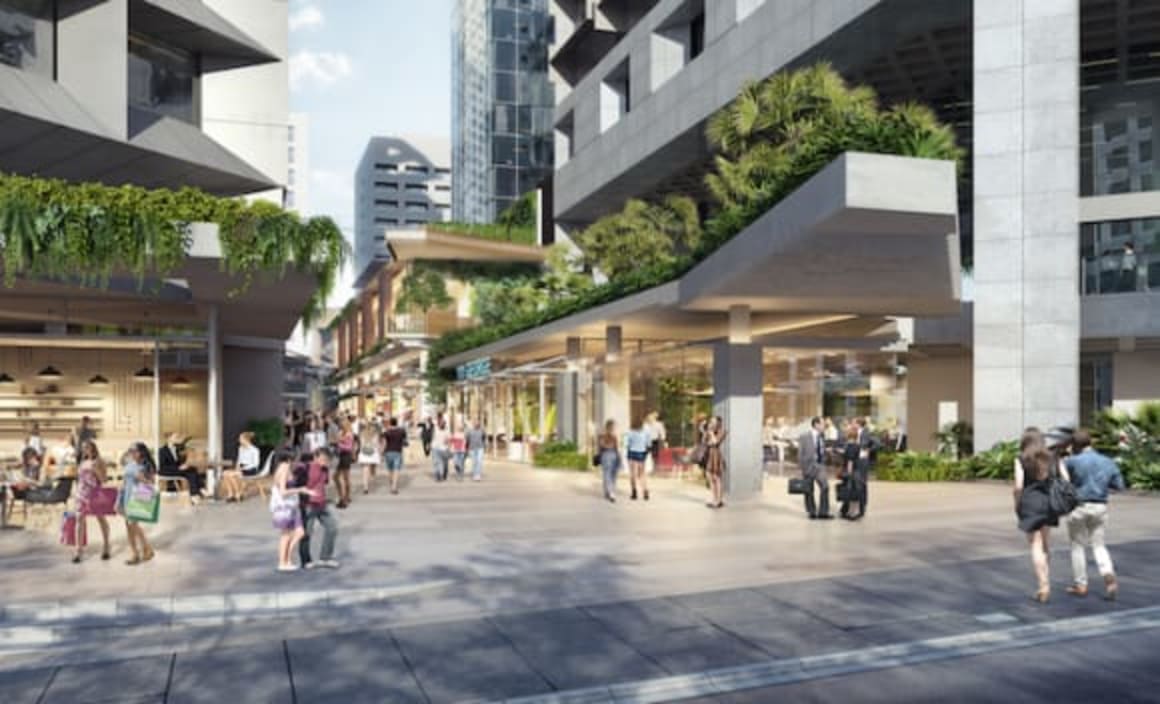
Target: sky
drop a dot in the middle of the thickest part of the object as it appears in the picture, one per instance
(359, 69)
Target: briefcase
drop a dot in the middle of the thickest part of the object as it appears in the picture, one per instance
(797, 485)
(846, 490)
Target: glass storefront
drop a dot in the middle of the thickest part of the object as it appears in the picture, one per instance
(27, 35)
(1122, 256)
(675, 384)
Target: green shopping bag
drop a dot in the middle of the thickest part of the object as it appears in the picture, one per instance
(143, 504)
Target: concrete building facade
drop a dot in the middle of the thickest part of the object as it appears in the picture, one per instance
(401, 182)
(1059, 215)
(159, 94)
(501, 104)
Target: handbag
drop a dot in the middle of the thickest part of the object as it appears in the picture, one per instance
(68, 531)
(797, 486)
(103, 502)
(845, 490)
(1061, 495)
(596, 459)
(144, 505)
(697, 456)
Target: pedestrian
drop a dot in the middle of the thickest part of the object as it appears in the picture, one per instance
(370, 454)
(476, 442)
(284, 510)
(440, 448)
(139, 470)
(35, 441)
(636, 445)
(768, 443)
(90, 478)
(812, 461)
(1093, 475)
(867, 450)
(1033, 473)
(608, 453)
(346, 450)
(715, 461)
(315, 436)
(1128, 268)
(394, 442)
(658, 436)
(426, 434)
(457, 442)
(850, 452)
(318, 510)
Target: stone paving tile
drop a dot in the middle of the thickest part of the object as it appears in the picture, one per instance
(646, 620)
(731, 605)
(700, 648)
(254, 674)
(352, 669)
(23, 686)
(143, 679)
(841, 604)
(479, 673)
(792, 634)
(571, 649)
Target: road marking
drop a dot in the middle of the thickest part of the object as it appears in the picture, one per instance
(780, 672)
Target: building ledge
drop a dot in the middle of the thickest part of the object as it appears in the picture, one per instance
(191, 25)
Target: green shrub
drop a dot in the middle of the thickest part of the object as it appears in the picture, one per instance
(921, 467)
(267, 432)
(561, 455)
(996, 463)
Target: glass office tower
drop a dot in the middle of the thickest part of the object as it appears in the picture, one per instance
(502, 104)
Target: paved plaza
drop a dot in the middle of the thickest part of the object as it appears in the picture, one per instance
(528, 584)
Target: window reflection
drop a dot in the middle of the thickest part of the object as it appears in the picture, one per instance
(26, 35)
(161, 78)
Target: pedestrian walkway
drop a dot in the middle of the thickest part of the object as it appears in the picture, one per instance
(679, 646)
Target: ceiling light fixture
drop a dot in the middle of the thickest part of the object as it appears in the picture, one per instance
(49, 373)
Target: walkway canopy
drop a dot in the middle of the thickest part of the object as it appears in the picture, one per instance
(870, 236)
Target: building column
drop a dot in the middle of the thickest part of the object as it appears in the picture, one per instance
(737, 398)
(1026, 213)
(384, 302)
(214, 386)
(157, 434)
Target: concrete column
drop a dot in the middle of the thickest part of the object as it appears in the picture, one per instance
(615, 394)
(1026, 212)
(384, 301)
(737, 388)
(214, 386)
(156, 397)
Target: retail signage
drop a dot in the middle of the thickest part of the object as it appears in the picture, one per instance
(475, 369)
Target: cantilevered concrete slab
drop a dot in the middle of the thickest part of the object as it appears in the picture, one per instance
(427, 244)
(869, 236)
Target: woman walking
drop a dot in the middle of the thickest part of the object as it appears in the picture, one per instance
(850, 459)
(1033, 472)
(287, 517)
(440, 448)
(345, 444)
(369, 453)
(636, 445)
(608, 451)
(457, 442)
(139, 470)
(90, 478)
(715, 460)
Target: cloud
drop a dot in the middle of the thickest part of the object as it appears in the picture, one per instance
(320, 67)
(306, 17)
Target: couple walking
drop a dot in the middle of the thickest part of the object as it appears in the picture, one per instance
(1043, 461)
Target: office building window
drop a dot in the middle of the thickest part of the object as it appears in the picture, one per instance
(27, 34)
(389, 168)
(416, 169)
(162, 78)
(442, 171)
(443, 188)
(417, 187)
(1095, 385)
(387, 185)
(677, 41)
(615, 93)
(1121, 256)
(386, 203)
(1119, 98)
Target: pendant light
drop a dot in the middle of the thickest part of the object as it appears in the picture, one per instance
(49, 373)
(182, 383)
(143, 374)
(97, 379)
(6, 379)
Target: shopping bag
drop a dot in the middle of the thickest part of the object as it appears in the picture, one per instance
(143, 504)
(103, 502)
(68, 530)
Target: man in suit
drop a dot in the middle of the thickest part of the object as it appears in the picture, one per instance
(812, 460)
(171, 461)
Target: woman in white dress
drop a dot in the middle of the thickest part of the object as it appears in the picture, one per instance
(370, 454)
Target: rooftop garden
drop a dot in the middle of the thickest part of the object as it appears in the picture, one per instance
(774, 136)
(517, 224)
(55, 229)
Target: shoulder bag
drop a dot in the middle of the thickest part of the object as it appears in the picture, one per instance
(1061, 495)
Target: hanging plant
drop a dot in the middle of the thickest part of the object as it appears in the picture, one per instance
(51, 228)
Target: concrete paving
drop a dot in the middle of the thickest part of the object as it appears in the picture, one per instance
(534, 586)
